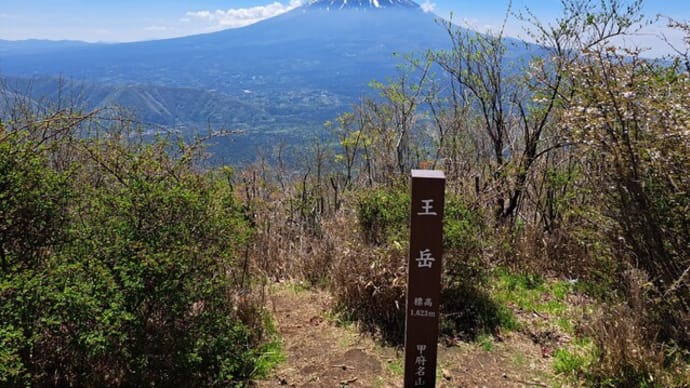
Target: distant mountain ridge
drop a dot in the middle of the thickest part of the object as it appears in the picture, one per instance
(278, 78)
(309, 57)
(33, 46)
(172, 107)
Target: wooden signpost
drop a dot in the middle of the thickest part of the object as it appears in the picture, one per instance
(424, 278)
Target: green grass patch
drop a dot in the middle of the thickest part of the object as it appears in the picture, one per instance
(473, 311)
(506, 319)
(561, 290)
(396, 367)
(271, 353)
(270, 356)
(534, 293)
(575, 359)
(486, 342)
(299, 287)
(566, 324)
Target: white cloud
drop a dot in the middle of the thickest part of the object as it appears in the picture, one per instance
(240, 17)
(428, 6)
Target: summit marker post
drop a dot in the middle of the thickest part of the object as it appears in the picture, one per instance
(424, 278)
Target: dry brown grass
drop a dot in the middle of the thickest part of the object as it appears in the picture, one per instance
(369, 283)
(627, 337)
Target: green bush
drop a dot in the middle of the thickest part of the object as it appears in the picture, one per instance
(463, 241)
(32, 203)
(121, 269)
(383, 215)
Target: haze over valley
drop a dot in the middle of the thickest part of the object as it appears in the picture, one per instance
(275, 81)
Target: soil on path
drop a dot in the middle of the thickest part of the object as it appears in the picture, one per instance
(321, 353)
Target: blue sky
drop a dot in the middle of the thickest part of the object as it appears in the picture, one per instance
(131, 20)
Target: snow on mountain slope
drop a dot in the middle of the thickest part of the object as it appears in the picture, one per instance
(362, 4)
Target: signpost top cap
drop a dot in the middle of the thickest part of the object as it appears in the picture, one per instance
(431, 174)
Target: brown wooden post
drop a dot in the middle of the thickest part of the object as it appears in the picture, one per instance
(424, 278)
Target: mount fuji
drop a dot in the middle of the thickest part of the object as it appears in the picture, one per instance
(363, 4)
(334, 45)
(277, 77)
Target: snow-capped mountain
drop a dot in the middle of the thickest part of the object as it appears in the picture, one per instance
(309, 47)
(295, 70)
(362, 4)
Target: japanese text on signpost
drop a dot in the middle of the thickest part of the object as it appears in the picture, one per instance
(424, 278)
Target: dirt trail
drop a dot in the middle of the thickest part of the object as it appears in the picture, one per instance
(322, 354)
